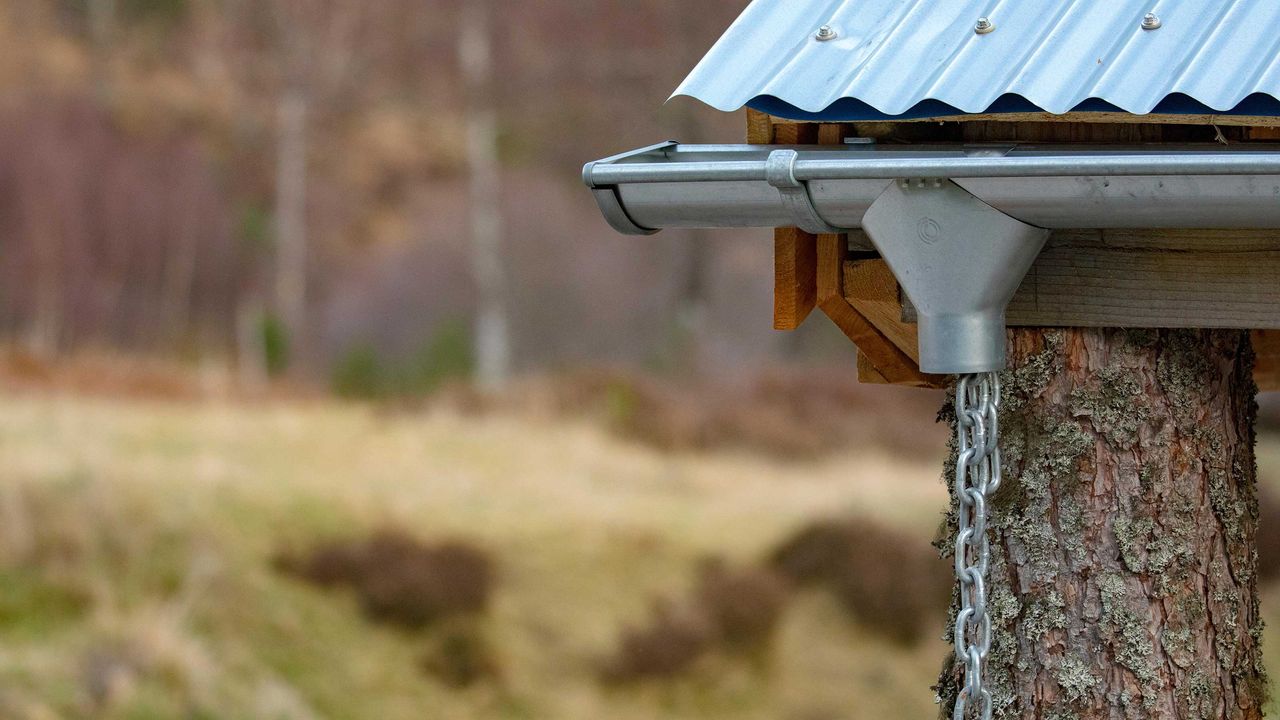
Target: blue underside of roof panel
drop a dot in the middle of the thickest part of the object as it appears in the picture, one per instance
(852, 110)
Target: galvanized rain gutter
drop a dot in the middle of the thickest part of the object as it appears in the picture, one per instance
(959, 225)
(672, 185)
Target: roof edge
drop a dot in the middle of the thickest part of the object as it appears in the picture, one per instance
(853, 110)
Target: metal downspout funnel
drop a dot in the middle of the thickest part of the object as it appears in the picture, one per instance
(960, 261)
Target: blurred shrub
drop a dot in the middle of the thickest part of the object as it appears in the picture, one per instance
(275, 344)
(446, 356)
(735, 610)
(744, 606)
(400, 580)
(359, 374)
(363, 373)
(886, 580)
(164, 11)
(669, 645)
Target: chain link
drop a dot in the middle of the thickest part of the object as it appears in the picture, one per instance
(977, 479)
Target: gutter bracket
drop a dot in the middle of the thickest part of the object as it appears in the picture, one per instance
(780, 172)
(960, 261)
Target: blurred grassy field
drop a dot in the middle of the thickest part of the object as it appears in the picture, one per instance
(136, 540)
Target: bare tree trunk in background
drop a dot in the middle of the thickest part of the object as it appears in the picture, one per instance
(291, 215)
(492, 325)
(693, 301)
(102, 26)
(44, 335)
(181, 258)
(251, 351)
(1123, 553)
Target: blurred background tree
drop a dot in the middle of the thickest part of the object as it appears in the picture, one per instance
(284, 183)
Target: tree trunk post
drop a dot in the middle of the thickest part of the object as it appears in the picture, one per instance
(1122, 578)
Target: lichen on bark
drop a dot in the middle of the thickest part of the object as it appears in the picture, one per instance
(1123, 565)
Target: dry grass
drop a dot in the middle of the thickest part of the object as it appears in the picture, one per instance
(110, 503)
(136, 578)
(796, 413)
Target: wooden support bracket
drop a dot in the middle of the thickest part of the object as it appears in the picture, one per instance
(1127, 278)
(880, 355)
(795, 273)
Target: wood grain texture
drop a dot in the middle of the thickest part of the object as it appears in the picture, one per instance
(895, 366)
(795, 273)
(891, 362)
(1072, 285)
(789, 133)
(867, 372)
(832, 250)
(832, 133)
(1264, 133)
(759, 128)
(1151, 279)
(870, 287)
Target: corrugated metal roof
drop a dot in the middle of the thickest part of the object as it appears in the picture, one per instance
(921, 58)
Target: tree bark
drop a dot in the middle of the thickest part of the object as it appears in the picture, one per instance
(1123, 539)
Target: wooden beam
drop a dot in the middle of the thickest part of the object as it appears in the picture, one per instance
(867, 372)
(759, 128)
(1101, 285)
(1266, 343)
(1264, 133)
(832, 250)
(891, 363)
(1151, 279)
(795, 273)
(870, 287)
(832, 133)
(787, 133)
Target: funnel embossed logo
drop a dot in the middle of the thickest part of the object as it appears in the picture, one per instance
(929, 230)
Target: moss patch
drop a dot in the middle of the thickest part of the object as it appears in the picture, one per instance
(1128, 635)
(1116, 405)
(1075, 679)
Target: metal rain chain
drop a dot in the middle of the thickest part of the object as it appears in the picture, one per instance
(977, 477)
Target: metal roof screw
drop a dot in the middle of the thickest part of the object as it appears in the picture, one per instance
(984, 26)
(825, 33)
(1151, 22)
